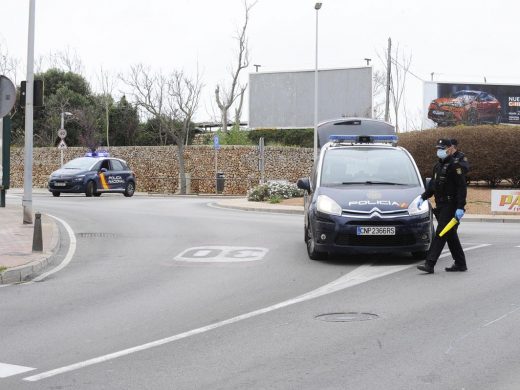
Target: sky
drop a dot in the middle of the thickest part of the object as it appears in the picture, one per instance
(463, 41)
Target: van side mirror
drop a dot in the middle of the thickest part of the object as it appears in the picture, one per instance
(304, 184)
(427, 182)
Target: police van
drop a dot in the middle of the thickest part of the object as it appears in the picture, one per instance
(93, 174)
(363, 192)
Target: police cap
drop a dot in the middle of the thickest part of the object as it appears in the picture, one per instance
(443, 143)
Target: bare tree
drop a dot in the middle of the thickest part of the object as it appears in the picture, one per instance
(225, 97)
(8, 65)
(149, 92)
(400, 64)
(401, 67)
(107, 86)
(379, 83)
(88, 119)
(171, 100)
(66, 60)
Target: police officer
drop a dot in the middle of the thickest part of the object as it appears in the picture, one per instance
(448, 186)
(459, 157)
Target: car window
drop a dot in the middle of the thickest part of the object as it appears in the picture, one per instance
(82, 163)
(353, 165)
(105, 164)
(117, 166)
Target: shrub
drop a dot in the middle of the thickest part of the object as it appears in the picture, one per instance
(276, 190)
(491, 150)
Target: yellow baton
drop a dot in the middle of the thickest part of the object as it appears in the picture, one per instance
(447, 228)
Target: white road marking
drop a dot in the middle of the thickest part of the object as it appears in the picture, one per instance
(10, 370)
(221, 254)
(68, 256)
(358, 276)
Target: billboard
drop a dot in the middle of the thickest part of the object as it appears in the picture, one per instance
(286, 99)
(505, 200)
(447, 104)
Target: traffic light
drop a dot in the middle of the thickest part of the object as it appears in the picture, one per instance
(37, 93)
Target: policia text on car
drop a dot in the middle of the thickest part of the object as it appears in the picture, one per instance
(448, 186)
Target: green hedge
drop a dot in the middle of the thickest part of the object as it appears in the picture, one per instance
(492, 151)
(283, 137)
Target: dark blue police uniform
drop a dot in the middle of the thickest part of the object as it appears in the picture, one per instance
(448, 186)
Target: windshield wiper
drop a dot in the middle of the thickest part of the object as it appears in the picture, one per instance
(374, 182)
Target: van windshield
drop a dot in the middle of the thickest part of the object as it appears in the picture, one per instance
(367, 165)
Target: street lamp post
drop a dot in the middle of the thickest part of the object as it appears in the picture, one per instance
(29, 93)
(317, 7)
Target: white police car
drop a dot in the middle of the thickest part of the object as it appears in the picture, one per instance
(362, 198)
(93, 174)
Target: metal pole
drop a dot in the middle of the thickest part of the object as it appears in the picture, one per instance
(29, 97)
(216, 176)
(388, 80)
(317, 7)
(62, 127)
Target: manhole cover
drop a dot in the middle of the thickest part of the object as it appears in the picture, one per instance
(346, 317)
(96, 235)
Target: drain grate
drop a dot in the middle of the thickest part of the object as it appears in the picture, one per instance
(96, 235)
(346, 317)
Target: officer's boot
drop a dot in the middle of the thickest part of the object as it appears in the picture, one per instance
(426, 267)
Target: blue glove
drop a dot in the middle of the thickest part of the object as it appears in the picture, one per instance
(420, 202)
(459, 213)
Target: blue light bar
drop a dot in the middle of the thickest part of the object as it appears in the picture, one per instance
(101, 153)
(364, 139)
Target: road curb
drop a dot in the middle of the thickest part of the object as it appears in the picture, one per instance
(27, 271)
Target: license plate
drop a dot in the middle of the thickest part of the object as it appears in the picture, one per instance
(440, 113)
(59, 184)
(376, 230)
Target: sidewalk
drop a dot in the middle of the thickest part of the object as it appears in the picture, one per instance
(16, 240)
(18, 262)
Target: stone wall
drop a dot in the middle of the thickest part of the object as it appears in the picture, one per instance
(156, 167)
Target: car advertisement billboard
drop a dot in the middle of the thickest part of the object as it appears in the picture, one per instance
(449, 104)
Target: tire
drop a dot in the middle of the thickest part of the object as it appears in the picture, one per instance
(420, 255)
(97, 194)
(311, 247)
(129, 189)
(56, 193)
(91, 189)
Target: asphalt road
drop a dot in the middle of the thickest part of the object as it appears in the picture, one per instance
(171, 293)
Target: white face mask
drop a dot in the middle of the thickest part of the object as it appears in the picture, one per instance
(442, 153)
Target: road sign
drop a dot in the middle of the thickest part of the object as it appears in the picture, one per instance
(62, 145)
(62, 133)
(216, 143)
(7, 96)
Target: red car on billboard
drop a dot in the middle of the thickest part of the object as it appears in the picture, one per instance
(465, 107)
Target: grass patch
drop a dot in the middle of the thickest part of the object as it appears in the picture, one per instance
(2, 268)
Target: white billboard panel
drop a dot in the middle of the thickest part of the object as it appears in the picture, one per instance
(286, 99)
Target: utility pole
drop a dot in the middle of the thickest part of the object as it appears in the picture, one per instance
(388, 76)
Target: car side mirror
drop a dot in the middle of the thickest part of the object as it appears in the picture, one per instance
(103, 170)
(427, 182)
(304, 184)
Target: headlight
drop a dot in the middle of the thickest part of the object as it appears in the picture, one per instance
(414, 210)
(326, 205)
(78, 178)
